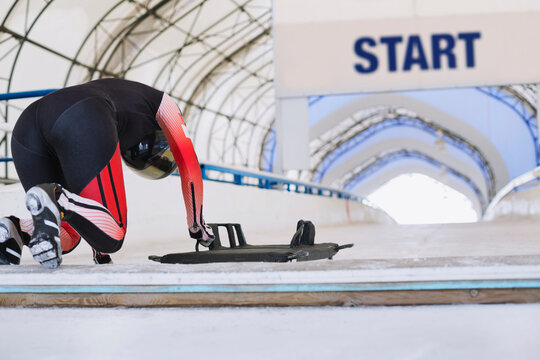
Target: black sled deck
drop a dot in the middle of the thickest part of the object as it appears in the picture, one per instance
(301, 248)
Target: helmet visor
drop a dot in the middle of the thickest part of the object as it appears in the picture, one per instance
(151, 157)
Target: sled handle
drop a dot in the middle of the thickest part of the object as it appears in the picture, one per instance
(234, 231)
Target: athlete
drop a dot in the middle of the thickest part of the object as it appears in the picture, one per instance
(67, 147)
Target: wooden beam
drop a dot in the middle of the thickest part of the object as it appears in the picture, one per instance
(328, 298)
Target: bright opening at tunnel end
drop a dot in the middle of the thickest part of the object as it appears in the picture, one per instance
(419, 199)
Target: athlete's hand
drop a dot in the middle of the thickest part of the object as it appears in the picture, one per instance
(202, 233)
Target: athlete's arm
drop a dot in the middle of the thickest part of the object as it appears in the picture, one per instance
(172, 123)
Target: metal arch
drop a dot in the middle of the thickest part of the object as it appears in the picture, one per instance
(238, 85)
(261, 114)
(262, 143)
(152, 12)
(449, 137)
(263, 108)
(243, 120)
(228, 58)
(233, 75)
(130, 25)
(200, 88)
(263, 128)
(357, 138)
(4, 140)
(159, 32)
(253, 125)
(118, 43)
(521, 106)
(209, 75)
(209, 96)
(225, 56)
(22, 41)
(229, 99)
(526, 93)
(354, 127)
(94, 28)
(124, 34)
(215, 112)
(262, 90)
(8, 14)
(362, 173)
(359, 120)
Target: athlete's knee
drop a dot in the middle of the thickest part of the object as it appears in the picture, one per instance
(109, 246)
(90, 218)
(116, 247)
(104, 243)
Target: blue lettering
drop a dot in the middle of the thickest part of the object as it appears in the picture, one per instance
(443, 50)
(438, 50)
(415, 45)
(391, 42)
(370, 57)
(469, 46)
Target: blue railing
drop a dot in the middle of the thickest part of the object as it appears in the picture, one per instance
(228, 175)
(25, 94)
(268, 181)
(262, 181)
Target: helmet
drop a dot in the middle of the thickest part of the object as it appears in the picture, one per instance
(151, 157)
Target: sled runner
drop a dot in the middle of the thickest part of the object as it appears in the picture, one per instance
(301, 248)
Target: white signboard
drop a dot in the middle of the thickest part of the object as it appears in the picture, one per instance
(338, 52)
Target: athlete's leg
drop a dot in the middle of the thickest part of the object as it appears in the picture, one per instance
(45, 242)
(91, 120)
(99, 213)
(11, 241)
(86, 143)
(34, 169)
(35, 165)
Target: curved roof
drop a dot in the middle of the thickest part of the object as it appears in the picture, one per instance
(216, 58)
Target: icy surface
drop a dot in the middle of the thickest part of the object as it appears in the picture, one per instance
(434, 332)
(420, 244)
(504, 250)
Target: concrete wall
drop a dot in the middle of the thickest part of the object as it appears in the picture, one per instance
(156, 208)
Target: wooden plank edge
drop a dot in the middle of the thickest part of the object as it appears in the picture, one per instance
(327, 298)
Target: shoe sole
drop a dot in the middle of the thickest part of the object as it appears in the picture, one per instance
(9, 241)
(45, 243)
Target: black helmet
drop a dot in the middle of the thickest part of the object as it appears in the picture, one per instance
(151, 157)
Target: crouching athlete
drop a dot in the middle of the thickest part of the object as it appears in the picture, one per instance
(67, 147)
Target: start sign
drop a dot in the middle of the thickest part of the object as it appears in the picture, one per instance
(441, 47)
(351, 46)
